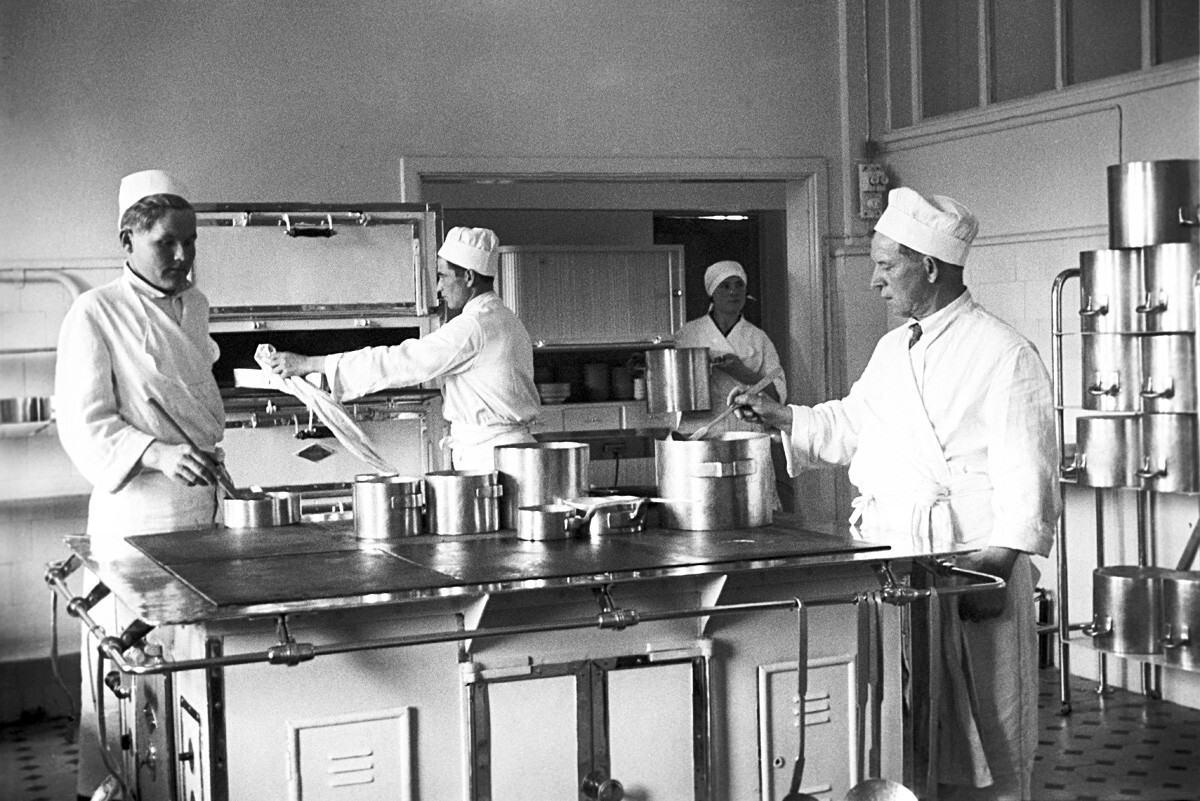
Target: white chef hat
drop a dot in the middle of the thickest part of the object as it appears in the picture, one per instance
(718, 272)
(472, 248)
(138, 185)
(938, 226)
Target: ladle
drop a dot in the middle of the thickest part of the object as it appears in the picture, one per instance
(758, 387)
(223, 478)
(793, 793)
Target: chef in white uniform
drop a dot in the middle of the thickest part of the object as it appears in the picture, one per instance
(741, 352)
(482, 359)
(142, 336)
(949, 435)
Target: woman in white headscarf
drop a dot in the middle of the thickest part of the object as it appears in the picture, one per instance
(740, 351)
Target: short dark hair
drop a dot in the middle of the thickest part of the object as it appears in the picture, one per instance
(142, 216)
(480, 278)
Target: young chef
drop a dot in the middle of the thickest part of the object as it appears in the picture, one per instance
(949, 435)
(483, 358)
(143, 336)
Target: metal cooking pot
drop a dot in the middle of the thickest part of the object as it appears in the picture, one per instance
(1110, 288)
(1152, 202)
(261, 509)
(462, 501)
(1168, 462)
(1167, 304)
(1181, 617)
(1111, 373)
(552, 521)
(1127, 609)
(613, 514)
(535, 473)
(677, 380)
(1168, 373)
(712, 484)
(387, 506)
(1107, 450)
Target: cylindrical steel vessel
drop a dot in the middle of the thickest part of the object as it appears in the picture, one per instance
(712, 484)
(1152, 202)
(1168, 462)
(1110, 287)
(1127, 609)
(387, 506)
(1111, 373)
(462, 501)
(677, 380)
(551, 521)
(1166, 302)
(1168, 373)
(613, 514)
(1181, 617)
(535, 473)
(1107, 450)
(261, 509)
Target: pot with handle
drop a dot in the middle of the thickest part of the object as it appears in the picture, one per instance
(723, 482)
(387, 506)
(614, 514)
(1127, 609)
(677, 380)
(550, 521)
(535, 473)
(1110, 288)
(1153, 202)
(1166, 303)
(462, 501)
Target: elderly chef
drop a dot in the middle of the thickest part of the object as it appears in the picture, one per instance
(483, 358)
(741, 352)
(950, 439)
(141, 337)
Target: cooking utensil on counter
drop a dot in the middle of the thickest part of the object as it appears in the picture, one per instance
(261, 509)
(535, 473)
(462, 501)
(615, 514)
(224, 480)
(754, 389)
(550, 521)
(713, 484)
(387, 506)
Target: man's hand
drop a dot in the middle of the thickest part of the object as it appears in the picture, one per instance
(760, 408)
(287, 364)
(181, 463)
(986, 604)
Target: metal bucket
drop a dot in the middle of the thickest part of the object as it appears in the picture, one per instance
(713, 484)
(1168, 462)
(535, 473)
(1168, 373)
(677, 380)
(1127, 609)
(261, 510)
(1110, 288)
(1111, 373)
(1181, 617)
(462, 501)
(387, 506)
(1167, 303)
(1107, 450)
(1152, 202)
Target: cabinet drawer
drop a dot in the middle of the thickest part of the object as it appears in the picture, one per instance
(548, 420)
(585, 419)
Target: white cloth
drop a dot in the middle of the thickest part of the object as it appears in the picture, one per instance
(952, 446)
(483, 361)
(747, 342)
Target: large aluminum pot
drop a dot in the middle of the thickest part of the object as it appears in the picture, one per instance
(1168, 373)
(1152, 202)
(1127, 609)
(1110, 288)
(387, 506)
(1167, 304)
(713, 484)
(1111, 373)
(261, 509)
(535, 473)
(1168, 462)
(1181, 617)
(1107, 450)
(462, 501)
(677, 380)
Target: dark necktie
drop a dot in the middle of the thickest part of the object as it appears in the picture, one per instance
(916, 334)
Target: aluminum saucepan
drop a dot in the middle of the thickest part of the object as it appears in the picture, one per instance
(614, 514)
(261, 509)
(550, 521)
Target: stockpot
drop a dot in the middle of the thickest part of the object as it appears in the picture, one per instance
(1110, 288)
(1111, 373)
(462, 501)
(1167, 304)
(1168, 462)
(387, 506)
(1107, 450)
(1152, 202)
(261, 509)
(1127, 609)
(1168, 373)
(677, 380)
(718, 483)
(535, 473)
(1181, 617)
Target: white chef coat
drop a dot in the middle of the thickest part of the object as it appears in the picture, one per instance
(483, 361)
(747, 342)
(952, 447)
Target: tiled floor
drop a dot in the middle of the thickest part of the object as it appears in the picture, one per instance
(1121, 746)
